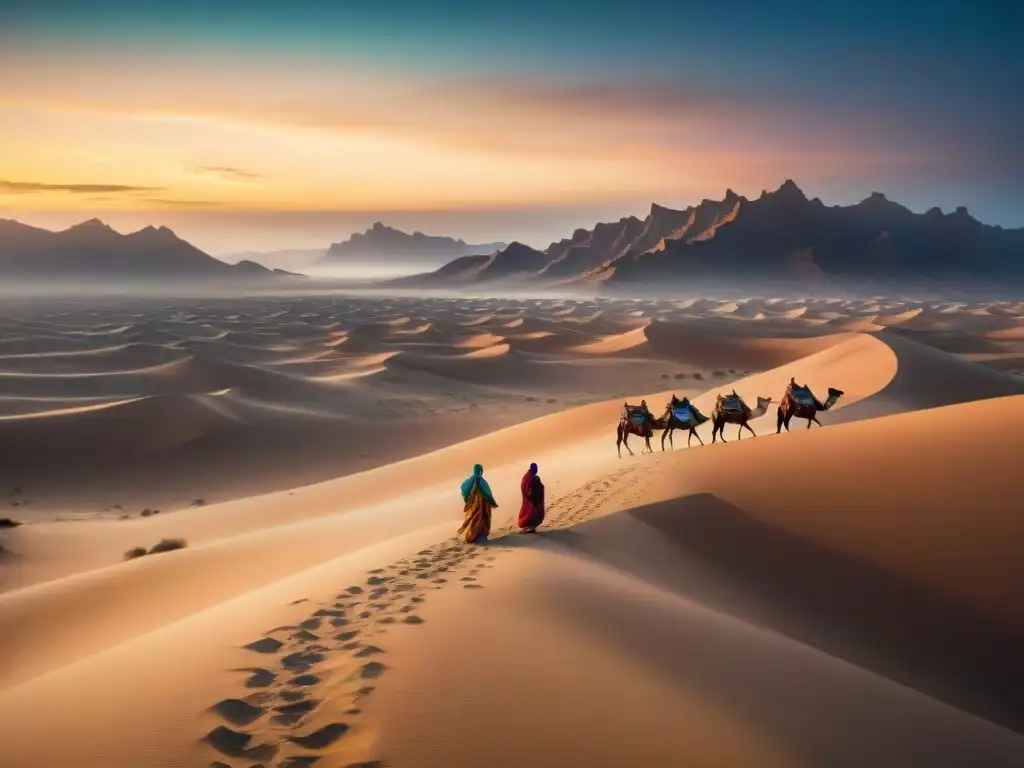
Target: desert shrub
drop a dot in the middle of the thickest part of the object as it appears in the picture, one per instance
(718, 374)
(6, 522)
(164, 545)
(699, 376)
(680, 376)
(167, 545)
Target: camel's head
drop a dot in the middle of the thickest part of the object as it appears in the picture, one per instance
(833, 397)
(764, 402)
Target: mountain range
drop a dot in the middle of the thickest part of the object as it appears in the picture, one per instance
(92, 250)
(381, 245)
(781, 236)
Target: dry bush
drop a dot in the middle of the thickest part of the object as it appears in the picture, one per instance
(167, 545)
(164, 545)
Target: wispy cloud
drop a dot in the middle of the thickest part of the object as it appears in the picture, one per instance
(171, 203)
(227, 172)
(37, 187)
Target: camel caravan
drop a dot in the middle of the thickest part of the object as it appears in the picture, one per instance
(797, 401)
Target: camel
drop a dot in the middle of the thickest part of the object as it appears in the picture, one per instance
(682, 414)
(731, 409)
(800, 402)
(636, 420)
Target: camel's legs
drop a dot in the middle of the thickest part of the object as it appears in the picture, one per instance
(671, 442)
(621, 439)
(780, 419)
(786, 422)
(744, 424)
(815, 419)
(647, 445)
(693, 434)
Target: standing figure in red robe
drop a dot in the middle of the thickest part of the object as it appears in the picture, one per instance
(531, 514)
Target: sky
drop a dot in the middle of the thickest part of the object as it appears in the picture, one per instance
(252, 124)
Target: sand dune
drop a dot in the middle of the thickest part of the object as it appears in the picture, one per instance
(675, 598)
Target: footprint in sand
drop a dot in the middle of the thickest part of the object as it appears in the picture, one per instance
(300, 661)
(237, 744)
(290, 714)
(265, 645)
(260, 678)
(371, 670)
(237, 711)
(322, 738)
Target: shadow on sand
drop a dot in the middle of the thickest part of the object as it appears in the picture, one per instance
(823, 598)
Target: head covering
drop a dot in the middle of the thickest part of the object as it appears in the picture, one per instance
(533, 468)
(477, 478)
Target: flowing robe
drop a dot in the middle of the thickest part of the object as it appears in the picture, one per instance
(531, 514)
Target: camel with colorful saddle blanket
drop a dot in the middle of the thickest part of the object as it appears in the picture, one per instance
(731, 409)
(799, 401)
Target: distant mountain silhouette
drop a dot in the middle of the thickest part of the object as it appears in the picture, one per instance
(396, 247)
(516, 262)
(286, 259)
(92, 250)
(781, 236)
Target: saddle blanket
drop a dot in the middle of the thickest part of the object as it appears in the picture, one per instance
(683, 414)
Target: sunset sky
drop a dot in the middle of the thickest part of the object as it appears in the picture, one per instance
(274, 124)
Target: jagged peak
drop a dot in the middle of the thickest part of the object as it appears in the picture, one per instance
(515, 246)
(90, 225)
(661, 210)
(790, 187)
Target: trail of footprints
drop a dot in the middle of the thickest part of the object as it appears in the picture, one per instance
(335, 654)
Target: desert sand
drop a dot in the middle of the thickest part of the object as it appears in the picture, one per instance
(842, 595)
